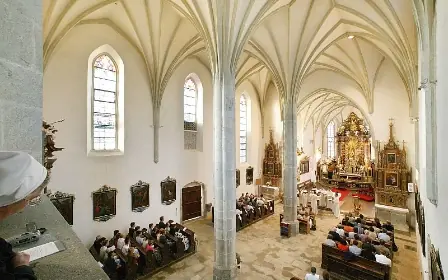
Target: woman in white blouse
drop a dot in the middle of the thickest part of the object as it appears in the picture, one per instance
(120, 242)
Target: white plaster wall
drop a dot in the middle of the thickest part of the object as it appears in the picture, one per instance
(391, 101)
(254, 137)
(435, 216)
(65, 98)
(272, 115)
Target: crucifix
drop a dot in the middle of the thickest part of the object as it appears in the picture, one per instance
(391, 135)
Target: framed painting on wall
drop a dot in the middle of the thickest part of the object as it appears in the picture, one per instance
(237, 176)
(436, 264)
(168, 189)
(249, 175)
(104, 204)
(140, 196)
(391, 179)
(64, 203)
(304, 166)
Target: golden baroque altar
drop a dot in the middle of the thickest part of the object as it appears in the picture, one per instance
(353, 145)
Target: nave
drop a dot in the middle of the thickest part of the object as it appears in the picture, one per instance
(266, 255)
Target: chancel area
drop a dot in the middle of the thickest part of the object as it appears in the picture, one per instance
(228, 139)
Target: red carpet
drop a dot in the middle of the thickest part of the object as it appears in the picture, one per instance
(366, 197)
(343, 192)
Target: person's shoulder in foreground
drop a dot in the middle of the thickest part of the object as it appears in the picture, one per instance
(22, 179)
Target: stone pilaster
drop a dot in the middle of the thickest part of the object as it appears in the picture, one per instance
(21, 76)
(290, 163)
(224, 173)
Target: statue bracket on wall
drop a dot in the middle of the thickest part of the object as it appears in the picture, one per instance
(48, 143)
(104, 204)
(140, 196)
(168, 190)
(64, 204)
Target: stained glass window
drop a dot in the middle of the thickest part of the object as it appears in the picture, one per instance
(330, 140)
(104, 103)
(190, 94)
(243, 129)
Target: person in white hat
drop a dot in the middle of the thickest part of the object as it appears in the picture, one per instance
(22, 179)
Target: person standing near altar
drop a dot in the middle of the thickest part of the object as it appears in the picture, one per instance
(337, 207)
(313, 198)
(305, 198)
(323, 198)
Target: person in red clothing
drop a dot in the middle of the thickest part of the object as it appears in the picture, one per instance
(348, 229)
(149, 246)
(343, 245)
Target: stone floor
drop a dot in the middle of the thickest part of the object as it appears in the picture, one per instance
(266, 255)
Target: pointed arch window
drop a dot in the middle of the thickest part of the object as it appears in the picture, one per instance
(330, 140)
(104, 105)
(190, 104)
(243, 129)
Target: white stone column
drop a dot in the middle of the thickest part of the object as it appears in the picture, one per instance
(224, 173)
(290, 163)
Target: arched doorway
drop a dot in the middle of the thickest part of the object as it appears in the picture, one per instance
(192, 201)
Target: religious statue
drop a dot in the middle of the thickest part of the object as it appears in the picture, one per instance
(49, 145)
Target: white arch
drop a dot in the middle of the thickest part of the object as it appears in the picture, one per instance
(352, 103)
(199, 109)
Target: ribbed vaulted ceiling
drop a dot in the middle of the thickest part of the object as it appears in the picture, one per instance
(284, 42)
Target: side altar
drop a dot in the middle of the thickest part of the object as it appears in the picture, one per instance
(272, 163)
(392, 176)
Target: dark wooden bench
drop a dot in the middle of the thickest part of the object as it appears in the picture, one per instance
(94, 253)
(190, 235)
(179, 248)
(338, 267)
(249, 217)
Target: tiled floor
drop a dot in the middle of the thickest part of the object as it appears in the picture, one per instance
(266, 255)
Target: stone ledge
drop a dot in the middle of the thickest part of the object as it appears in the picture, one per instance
(75, 263)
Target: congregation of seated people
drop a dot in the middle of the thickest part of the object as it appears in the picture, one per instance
(306, 214)
(249, 201)
(368, 239)
(121, 256)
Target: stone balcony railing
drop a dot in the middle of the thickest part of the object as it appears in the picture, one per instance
(73, 263)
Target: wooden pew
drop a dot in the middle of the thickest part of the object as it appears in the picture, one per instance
(179, 245)
(163, 249)
(94, 253)
(123, 271)
(190, 235)
(147, 261)
(358, 268)
(250, 217)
